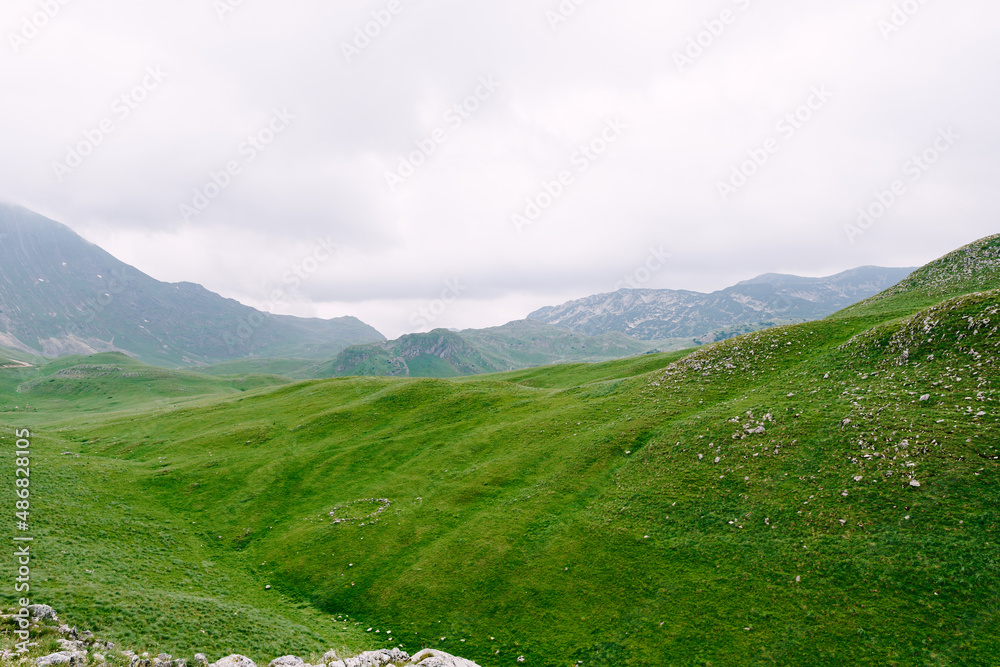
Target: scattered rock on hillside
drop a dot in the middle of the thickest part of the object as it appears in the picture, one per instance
(75, 654)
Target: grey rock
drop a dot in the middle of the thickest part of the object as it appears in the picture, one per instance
(330, 656)
(71, 644)
(235, 660)
(433, 658)
(378, 658)
(71, 658)
(200, 659)
(42, 612)
(287, 661)
(925, 397)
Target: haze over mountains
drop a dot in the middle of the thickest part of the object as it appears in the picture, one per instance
(60, 294)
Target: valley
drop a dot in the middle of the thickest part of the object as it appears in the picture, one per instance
(822, 493)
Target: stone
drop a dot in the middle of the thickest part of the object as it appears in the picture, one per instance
(925, 397)
(330, 656)
(235, 661)
(70, 644)
(914, 483)
(42, 612)
(287, 661)
(200, 659)
(433, 658)
(71, 658)
(378, 658)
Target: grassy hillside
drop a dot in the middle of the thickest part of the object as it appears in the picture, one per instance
(818, 494)
(111, 381)
(299, 369)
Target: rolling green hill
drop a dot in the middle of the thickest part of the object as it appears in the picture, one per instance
(824, 493)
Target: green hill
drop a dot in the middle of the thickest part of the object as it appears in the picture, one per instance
(824, 493)
(111, 381)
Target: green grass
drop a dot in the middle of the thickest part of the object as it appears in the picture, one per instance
(749, 503)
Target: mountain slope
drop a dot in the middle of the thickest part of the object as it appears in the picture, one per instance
(779, 498)
(515, 345)
(60, 295)
(752, 304)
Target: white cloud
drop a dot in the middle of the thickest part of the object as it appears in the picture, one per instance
(324, 177)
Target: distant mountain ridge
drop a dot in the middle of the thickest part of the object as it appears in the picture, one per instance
(60, 294)
(766, 300)
(513, 346)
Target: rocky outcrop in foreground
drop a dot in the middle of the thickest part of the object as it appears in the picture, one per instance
(84, 649)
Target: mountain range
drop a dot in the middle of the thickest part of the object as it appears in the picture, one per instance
(766, 300)
(60, 294)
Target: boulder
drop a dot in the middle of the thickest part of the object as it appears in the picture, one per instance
(235, 661)
(71, 658)
(378, 658)
(70, 644)
(432, 658)
(287, 661)
(42, 612)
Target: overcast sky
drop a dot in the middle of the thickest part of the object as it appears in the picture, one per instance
(364, 157)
